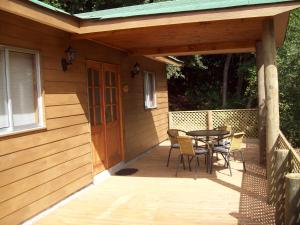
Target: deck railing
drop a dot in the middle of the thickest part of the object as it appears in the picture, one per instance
(240, 119)
(284, 185)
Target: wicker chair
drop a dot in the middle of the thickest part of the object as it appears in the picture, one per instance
(225, 140)
(235, 146)
(173, 134)
(186, 148)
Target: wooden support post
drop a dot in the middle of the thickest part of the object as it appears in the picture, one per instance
(292, 199)
(261, 102)
(272, 99)
(281, 168)
(210, 125)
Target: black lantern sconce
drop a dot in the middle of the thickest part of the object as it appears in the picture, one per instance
(70, 56)
(135, 70)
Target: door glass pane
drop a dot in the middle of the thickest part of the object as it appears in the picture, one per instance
(92, 116)
(96, 78)
(114, 96)
(91, 96)
(108, 114)
(113, 79)
(107, 96)
(97, 115)
(107, 78)
(90, 78)
(22, 78)
(114, 112)
(3, 95)
(97, 96)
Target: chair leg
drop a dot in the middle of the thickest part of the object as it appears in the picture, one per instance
(189, 162)
(207, 164)
(169, 156)
(228, 163)
(182, 160)
(196, 166)
(178, 164)
(211, 161)
(244, 164)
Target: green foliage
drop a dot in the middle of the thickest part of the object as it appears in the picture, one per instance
(79, 6)
(289, 80)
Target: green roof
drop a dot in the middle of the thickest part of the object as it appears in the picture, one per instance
(174, 6)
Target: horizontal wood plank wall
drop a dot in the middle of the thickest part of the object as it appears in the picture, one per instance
(40, 168)
(144, 128)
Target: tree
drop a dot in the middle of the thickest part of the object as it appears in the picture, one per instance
(225, 79)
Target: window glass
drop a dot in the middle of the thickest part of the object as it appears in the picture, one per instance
(96, 78)
(149, 90)
(22, 88)
(3, 93)
(107, 78)
(113, 79)
(97, 96)
(90, 78)
(108, 114)
(97, 115)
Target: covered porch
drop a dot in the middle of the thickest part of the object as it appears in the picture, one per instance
(155, 196)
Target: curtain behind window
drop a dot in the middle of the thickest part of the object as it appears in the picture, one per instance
(22, 74)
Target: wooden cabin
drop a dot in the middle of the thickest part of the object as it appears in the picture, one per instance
(82, 94)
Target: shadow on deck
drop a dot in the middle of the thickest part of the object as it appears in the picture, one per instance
(155, 196)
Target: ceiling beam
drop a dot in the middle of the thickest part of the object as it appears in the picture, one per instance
(267, 10)
(204, 49)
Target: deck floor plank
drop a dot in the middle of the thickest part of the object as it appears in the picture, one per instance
(155, 196)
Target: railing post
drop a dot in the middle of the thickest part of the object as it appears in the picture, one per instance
(210, 125)
(281, 168)
(292, 199)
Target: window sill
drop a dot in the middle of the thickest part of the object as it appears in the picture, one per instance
(150, 108)
(16, 132)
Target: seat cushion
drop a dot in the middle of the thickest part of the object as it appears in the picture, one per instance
(201, 150)
(221, 149)
(175, 145)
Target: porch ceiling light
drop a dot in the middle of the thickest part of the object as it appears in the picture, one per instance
(135, 70)
(70, 57)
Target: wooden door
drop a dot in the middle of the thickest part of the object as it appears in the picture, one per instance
(112, 114)
(96, 111)
(105, 116)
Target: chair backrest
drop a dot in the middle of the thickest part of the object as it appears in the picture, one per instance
(186, 145)
(237, 141)
(173, 134)
(225, 127)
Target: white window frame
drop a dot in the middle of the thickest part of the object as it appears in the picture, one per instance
(40, 123)
(146, 100)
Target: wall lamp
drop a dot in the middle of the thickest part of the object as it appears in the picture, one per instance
(70, 57)
(135, 70)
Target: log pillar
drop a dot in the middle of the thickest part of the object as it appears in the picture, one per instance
(292, 199)
(272, 98)
(261, 102)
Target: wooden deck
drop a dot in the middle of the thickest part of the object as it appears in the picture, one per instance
(155, 196)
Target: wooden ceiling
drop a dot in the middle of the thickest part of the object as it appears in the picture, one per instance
(231, 35)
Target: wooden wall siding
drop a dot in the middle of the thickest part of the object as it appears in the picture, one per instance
(143, 128)
(40, 168)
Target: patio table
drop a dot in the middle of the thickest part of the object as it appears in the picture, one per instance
(207, 133)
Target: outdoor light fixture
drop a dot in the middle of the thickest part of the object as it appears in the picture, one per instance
(70, 56)
(135, 70)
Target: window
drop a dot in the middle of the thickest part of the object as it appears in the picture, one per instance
(20, 94)
(149, 90)
(110, 97)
